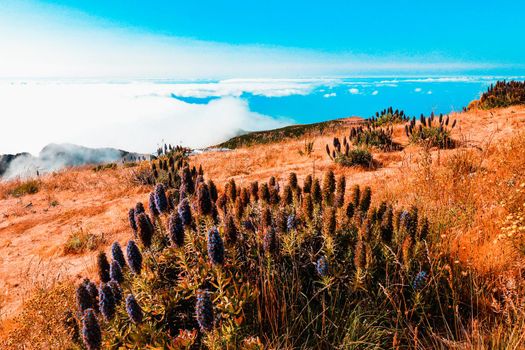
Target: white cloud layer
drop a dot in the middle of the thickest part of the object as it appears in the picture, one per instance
(236, 87)
(134, 117)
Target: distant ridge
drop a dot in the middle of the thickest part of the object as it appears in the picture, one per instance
(285, 133)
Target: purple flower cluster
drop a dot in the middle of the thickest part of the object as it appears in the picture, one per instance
(269, 240)
(420, 280)
(84, 300)
(152, 206)
(184, 211)
(145, 229)
(176, 230)
(131, 219)
(133, 309)
(107, 302)
(161, 201)
(91, 334)
(204, 310)
(134, 257)
(117, 291)
(115, 272)
(215, 247)
(118, 256)
(321, 266)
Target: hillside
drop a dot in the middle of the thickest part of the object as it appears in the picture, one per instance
(286, 133)
(469, 191)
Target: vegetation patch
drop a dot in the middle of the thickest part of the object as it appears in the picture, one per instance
(130, 164)
(102, 167)
(25, 188)
(388, 116)
(288, 132)
(373, 136)
(431, 131)
(265, 264)
(81, 241)
(355, 157)
(502, 94)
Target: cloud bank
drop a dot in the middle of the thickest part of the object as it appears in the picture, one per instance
(55, 157)
(134, 116)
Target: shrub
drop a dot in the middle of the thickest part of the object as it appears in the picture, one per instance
(102, 167)
(308, 149)
(142, 176)
(130, 164)
(388, 116)
(373, 136)
(431, 132)
(364, 137)
(502, 94)
(355, 157)
(344, 273)
(24, 188)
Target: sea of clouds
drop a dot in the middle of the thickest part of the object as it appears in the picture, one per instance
(139, 115)
(134, 116)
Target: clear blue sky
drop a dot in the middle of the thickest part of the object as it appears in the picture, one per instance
(210, 39)
(491, 31)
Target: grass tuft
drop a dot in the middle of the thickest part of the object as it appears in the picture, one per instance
(25, 188)
(81, 241)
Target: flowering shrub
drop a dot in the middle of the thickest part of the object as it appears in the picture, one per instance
(271, 266)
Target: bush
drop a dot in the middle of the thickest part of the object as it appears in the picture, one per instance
(372, 136)
(27, 187)
(431, 132)
(355, 157)
(502, 94)
(142, 176)
(293, 269)
(388, 116)
(130, 164)
(102, 167)
(364, 137)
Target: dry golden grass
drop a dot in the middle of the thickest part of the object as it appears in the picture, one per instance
(34, 228)
(469, 192)
(42, 323)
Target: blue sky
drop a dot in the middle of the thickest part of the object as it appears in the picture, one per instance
(270, 38)
(480, 30)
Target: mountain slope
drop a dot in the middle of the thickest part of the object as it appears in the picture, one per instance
(465, 189)
(286, 133)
